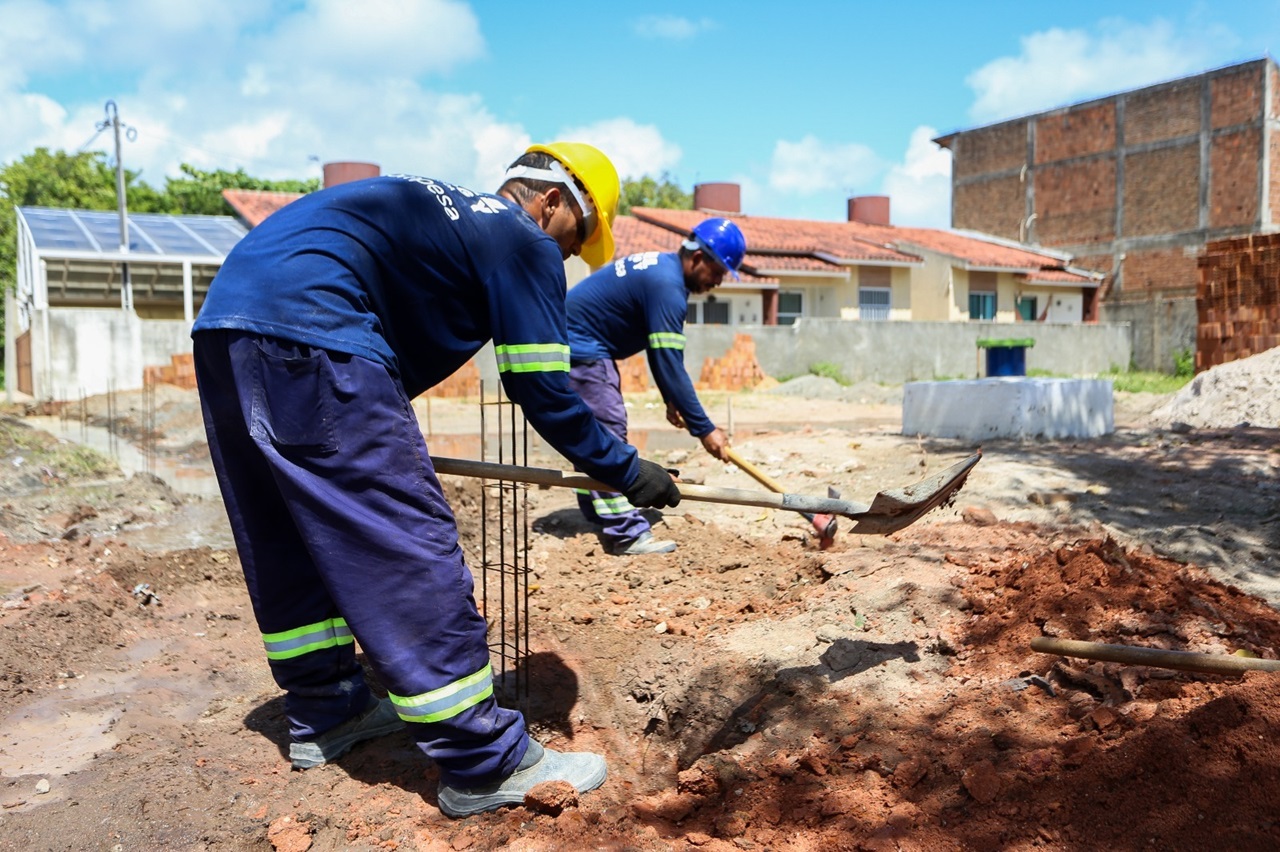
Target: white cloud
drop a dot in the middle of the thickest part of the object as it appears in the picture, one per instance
(812, 166)
(26, 117)
(635, 149)
(670, 27)
(1059, 66)
(327, 80)
(919, 188)
(427, 36)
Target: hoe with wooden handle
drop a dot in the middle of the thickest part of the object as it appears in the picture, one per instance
(825, 524)
(888, 512)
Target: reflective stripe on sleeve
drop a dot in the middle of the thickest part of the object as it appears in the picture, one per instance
(447, 701)
(533, 358)
(303, 640)
(666, 340)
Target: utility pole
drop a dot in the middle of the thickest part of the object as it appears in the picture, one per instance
(113, 121)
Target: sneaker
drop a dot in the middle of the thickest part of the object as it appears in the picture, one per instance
(646, 543)
(379, 718)
(583, 769)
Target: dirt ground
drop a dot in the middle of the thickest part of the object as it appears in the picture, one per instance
(749, 690)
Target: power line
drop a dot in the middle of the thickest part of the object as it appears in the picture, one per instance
(92, 139)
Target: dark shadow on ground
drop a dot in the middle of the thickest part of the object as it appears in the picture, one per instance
(1210, 497)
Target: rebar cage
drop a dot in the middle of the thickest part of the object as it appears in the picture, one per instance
(504, 550)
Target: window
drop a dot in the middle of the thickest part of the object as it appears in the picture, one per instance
(982, 295)
(790, 306)
(1027, 308)
(982, 306)
(712, 311)
(873, 303)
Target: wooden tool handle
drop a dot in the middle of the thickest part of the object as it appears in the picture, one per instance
(703, 493)
(754, 472)
(1189, 661)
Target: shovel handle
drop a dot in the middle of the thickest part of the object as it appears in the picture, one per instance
(702, 493)
(889, 512)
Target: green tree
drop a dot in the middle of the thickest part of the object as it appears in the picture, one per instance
(51, 179)
(650, 192)
(87, 181)
(201, 192)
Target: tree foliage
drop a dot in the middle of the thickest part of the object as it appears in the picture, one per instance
(201, 192)
(650, 192)
(87, 181)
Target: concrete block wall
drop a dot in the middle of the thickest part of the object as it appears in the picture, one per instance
(899, 352)
(87, 351)
(93, 351)
(1134, 184)
(887, 352)
(1162, 326)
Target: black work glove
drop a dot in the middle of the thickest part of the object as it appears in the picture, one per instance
(653, 488)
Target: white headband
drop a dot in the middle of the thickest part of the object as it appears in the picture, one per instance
(556, 173)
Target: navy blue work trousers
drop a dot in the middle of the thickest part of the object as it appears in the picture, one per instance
(600, 387)
(338, 514)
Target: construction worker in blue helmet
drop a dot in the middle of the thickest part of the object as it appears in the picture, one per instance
(320, 328)
(639, 303)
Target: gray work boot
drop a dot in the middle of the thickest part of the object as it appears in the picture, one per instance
(583, 769)
(646, 543)
(378, 718)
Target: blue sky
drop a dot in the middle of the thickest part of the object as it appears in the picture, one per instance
(804, 104)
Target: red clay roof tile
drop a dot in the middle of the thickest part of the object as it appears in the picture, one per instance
(254, 205)
(854, 242)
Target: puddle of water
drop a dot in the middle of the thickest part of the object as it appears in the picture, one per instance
(50, 737)
(196, 523)
(63, 732)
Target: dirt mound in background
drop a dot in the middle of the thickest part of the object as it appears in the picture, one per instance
(1244, 392)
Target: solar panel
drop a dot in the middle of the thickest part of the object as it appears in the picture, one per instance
(55, 229)
(150, 234)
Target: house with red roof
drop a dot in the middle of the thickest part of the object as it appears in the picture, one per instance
(868, 270)
(861, 269)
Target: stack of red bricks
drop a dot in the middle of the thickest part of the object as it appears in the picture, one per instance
(738, 369)
(181, 371)
(634, 373)
(1238, 299)
(463, 383)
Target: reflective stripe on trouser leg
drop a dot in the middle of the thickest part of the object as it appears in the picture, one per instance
(598, 384)
(288, 644)
(368, 503)
(324, 686)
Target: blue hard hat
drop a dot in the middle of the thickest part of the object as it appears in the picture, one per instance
(722, 240)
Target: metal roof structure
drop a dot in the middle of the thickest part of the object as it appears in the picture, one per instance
(95, 234)
(73, 259)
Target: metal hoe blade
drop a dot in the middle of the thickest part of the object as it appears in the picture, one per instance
(888, 512)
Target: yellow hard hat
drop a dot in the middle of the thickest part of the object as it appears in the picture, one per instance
(589, 165)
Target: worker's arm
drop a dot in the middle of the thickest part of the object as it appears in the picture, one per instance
(665, 351)
(714, 442)
(526, 296)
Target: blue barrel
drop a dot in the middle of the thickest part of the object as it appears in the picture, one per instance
(1006, 357)
(1007, 361)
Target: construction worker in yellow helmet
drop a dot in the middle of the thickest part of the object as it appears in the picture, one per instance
(321, 326)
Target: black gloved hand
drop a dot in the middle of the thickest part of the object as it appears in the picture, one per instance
(653, 488)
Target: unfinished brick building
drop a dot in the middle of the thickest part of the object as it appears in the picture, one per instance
(1133, 185)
